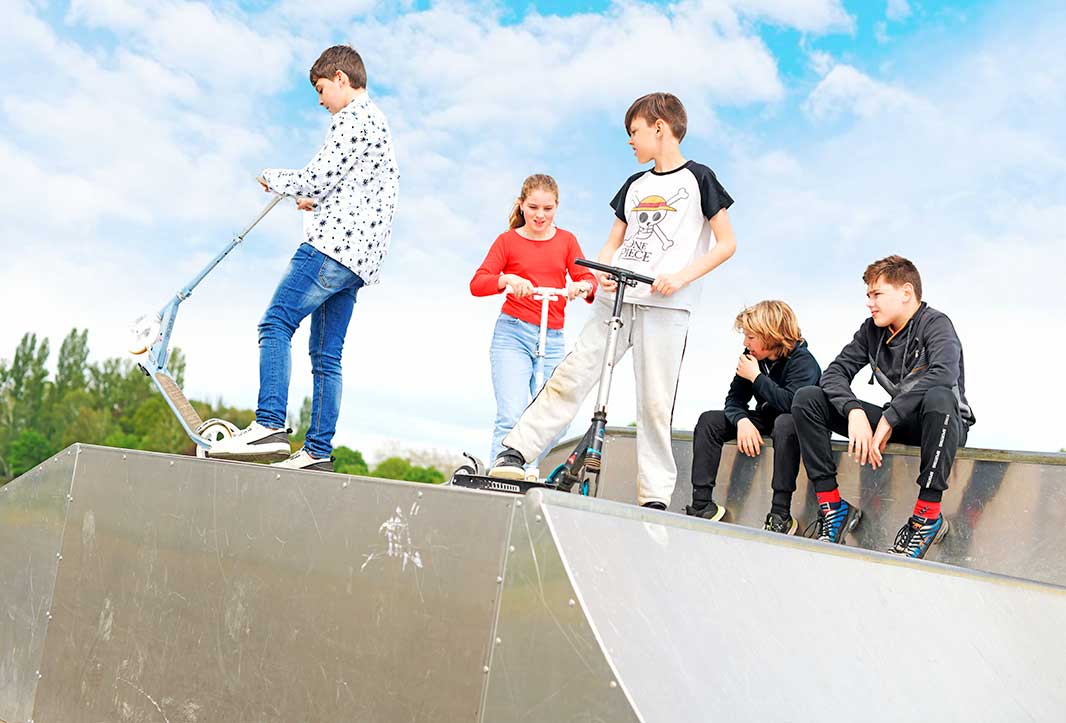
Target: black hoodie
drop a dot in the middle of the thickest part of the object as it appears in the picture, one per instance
(925, 353)
(775, 387)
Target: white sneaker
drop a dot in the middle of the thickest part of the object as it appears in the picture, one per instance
(303, 460)
(254, 443)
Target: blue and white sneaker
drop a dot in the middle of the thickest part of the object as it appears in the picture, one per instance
(919, 534)
(833, 524)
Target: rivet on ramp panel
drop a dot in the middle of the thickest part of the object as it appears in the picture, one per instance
(614, 684)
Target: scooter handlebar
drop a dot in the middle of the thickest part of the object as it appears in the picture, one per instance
(618, 274)
(543, 291)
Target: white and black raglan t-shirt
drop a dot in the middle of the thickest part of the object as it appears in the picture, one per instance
(354, 181)
(667, 218)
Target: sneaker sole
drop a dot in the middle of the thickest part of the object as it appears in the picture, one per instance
(717, 516)
(515, 473)
(260, 453)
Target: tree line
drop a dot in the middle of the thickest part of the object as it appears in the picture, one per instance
(113, 403)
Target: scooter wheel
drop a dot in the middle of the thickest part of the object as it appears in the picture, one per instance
(214, 430)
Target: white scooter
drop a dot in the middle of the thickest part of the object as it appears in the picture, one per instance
(151, 342)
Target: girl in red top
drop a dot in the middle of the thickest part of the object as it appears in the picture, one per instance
(532, 253)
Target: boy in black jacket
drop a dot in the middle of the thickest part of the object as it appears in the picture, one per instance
(774, 365)
(917, 357)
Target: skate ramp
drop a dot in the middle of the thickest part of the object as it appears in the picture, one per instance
(148, 587)
(1007, 509)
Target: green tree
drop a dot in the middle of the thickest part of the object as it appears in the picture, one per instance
(349, 461)
(27, 450)
(428, 475)
(392, 468)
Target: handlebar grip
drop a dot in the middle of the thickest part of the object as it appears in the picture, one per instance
(616, 272)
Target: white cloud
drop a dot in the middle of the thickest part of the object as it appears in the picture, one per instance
(845, 89)
(816, 16)
(898, 10)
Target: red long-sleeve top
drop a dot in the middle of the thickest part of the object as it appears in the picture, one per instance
(544, 263)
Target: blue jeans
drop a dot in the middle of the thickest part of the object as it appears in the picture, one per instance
(317, 285)
(513, 356)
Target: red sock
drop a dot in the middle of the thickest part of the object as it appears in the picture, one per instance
(928, 510)
(828, 498)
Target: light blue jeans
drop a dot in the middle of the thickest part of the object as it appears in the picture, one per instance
(318, 286)
(514, 356)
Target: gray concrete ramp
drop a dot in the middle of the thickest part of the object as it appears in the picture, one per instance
(145, 587)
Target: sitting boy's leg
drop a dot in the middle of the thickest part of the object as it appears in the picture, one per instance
(558, 402)
(816, 419)
(659, 337)
(786, 468)
(938, 429)
(712, 431)
(329, 326)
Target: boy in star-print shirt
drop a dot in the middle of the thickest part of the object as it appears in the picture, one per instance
(350, 186)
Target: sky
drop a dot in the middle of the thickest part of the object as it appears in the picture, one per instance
(131, 134)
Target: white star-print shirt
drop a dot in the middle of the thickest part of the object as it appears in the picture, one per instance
(354, 182)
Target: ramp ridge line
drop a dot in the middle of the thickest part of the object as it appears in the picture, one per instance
(486, 675)
(76, 450)
(588, 618)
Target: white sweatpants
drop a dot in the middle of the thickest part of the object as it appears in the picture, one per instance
(657, 337)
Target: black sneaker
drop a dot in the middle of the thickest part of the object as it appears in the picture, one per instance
(834, 524)
(654, 505)
(711, 511)
(919, 534)
(784, 524)
(509, 464)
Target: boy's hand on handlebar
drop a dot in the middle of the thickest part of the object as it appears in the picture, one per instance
(305, 204)
(575, 289)
(606, 282)
(667, 284)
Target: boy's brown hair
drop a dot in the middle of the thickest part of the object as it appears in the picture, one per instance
(659, 106)
(895, 270)
(343, 58)
(774, 322)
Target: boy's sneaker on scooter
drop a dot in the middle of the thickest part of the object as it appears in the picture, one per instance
(919, 534)
(303, 460)
(711, 511)
(835, 521)
(509, 464)
(783, 524)
(253, 443)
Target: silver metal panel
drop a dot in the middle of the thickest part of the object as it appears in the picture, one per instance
(708, 622)
(199, 590)
(1007, 509)
(547, 664)
(32, 515)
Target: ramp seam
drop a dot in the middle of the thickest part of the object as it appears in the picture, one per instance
(588, 618)
(486, 677)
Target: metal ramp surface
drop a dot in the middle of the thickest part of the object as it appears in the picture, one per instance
(148, 587)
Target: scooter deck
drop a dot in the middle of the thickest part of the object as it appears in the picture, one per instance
(497, 484)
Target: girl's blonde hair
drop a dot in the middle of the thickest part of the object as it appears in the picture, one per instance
(774, 322)
(536, 182)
